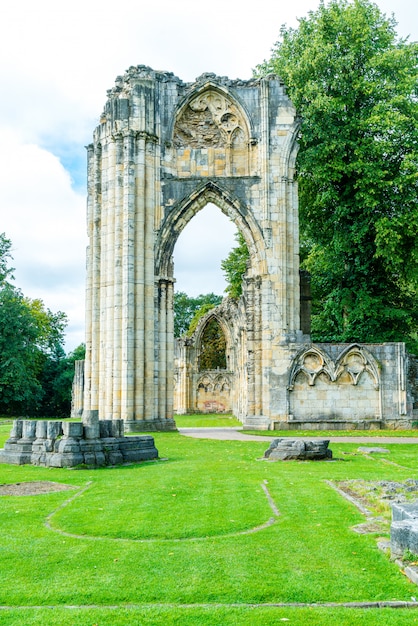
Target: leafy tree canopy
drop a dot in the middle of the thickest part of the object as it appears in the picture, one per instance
(201, 312)
(5, 255)
(355, 85)
(235, 266)
(213, 347)
(31, 350)
(185, 308)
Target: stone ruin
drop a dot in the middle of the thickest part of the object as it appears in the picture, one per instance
(298, 450)
(162, 151)
(70, 444)
(404, 528)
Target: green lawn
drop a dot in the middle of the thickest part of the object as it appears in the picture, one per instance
(206, 420)
(186, 541)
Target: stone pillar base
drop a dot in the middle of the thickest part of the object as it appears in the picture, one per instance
(66, 445)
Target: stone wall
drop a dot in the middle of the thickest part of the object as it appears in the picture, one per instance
(327, 386)
(350, 386)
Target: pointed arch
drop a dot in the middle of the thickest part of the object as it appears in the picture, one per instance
(312, 361)
(183, 211)
(356, 359)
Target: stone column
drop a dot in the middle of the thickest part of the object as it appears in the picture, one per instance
(118, 277)
(91, 405)
(77, 389)
(108, 284)
(138, 314)
(128, 284)
(162, 340)
(91, 171)
(150, 399)
(170, 350)
(101, 346)
(265, 149)
(250, 347)
(259, 356)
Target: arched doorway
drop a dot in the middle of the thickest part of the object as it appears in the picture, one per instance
(162, 151)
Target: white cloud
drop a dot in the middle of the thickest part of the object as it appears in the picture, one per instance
(45, 220)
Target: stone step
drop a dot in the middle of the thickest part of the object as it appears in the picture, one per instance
(256, 422)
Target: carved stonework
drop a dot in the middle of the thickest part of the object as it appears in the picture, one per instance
(349, 366)
(210, 120)
(344, 388)
(162, 151)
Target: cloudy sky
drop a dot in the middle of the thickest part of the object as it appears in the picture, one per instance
(57, 61)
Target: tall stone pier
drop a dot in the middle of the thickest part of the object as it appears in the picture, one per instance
(163, 150)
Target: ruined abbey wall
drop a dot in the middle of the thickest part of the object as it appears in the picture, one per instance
(163, 150)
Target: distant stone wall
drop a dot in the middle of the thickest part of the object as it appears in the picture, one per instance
(214, 391)
(351, 385)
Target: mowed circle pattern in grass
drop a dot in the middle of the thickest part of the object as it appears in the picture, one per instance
(167, 500)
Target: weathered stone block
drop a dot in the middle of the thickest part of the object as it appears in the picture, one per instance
(72, 429)
(41, 429)
(404, 511)
(16, 432)
(54, 429)
(404, 528)
(28, 430)
(298, 450)
(403, 536)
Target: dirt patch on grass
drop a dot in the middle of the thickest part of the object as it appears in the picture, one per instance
(33, 488)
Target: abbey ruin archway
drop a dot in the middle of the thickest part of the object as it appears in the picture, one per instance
(162, 151)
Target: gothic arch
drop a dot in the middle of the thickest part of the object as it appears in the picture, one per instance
(356, 359)
(312, 361)
(217, 390)
(162, 150)
(184, 211)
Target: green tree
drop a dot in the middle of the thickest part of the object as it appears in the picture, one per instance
(212, 347)
(20, 389)
(5, 255)
(31, 337)
(235, 266)
(57, 379)
(355, 85)
(185, 307)
(201, 312)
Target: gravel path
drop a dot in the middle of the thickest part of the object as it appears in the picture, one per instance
(236, 434)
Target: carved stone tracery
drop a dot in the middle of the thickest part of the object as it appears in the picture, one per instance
(353, 360)
(210, 120)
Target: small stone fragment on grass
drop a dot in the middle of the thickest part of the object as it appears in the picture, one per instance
(285, 449)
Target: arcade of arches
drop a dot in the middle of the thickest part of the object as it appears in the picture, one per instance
(163, 150)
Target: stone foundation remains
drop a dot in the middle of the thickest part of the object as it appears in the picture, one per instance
(67, 444)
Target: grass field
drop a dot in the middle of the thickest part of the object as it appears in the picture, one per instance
(210, 536)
